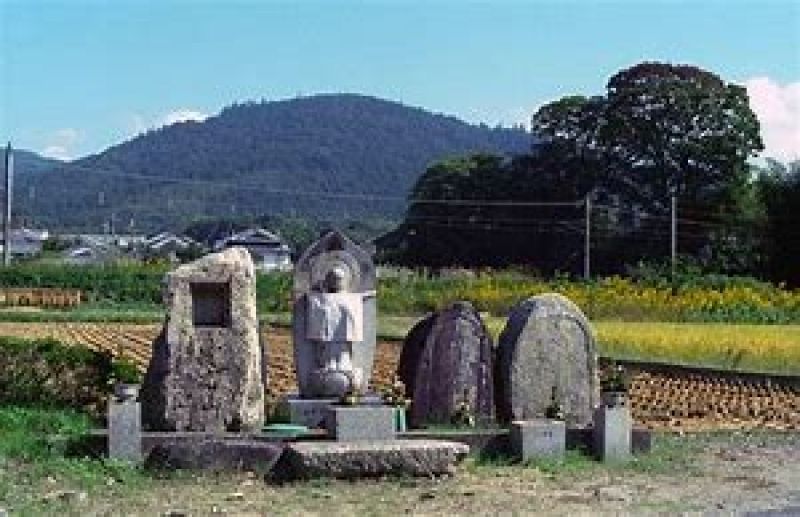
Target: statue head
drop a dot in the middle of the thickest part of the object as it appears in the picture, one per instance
(337, 280)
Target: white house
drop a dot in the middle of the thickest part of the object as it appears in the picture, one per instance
(25, 242)
(269, 252)
(85, 255)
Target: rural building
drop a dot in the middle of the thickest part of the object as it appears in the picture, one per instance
(267, 249)
(25, 242)
(168, 245)
(91, 254)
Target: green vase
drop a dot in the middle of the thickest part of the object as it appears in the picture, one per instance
(400, 419)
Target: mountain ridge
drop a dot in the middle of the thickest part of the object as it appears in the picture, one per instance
(262, 158)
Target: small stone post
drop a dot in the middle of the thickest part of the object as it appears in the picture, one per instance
(612, 433)
(125, 424)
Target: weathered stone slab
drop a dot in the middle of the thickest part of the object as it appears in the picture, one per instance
(361, 422)
(547, 347)
(540, 438)
(215, 453)
(455, 367)
(351, 460)
(206, 373)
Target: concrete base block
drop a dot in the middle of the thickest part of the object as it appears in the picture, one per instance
(612, 433)
(347, 423)
(307, 412)
(311, 412)
(125, 431)
(539, 438)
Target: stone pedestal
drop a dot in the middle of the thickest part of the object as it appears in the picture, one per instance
(307, 412)
(539, 438)
(351, 423)
(311, 412)
(612, 433)
(125, 430)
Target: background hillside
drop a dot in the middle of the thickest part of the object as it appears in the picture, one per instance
(303, 157)
(30, 162)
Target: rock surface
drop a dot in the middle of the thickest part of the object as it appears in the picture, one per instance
(411, 354)
(351, 460)
(214, 453)
(547, 343)
(454, 367)
(205, 373)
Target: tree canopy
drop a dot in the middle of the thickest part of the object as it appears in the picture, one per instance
(659, 130)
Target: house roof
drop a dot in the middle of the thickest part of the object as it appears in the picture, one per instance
(163, 239)
(252, 236)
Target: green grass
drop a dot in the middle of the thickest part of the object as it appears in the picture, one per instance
(92, 312)
(670, 454)
(693, 298)
(35, 461)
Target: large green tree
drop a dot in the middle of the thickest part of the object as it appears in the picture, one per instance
(477, 211)
(660, 130)
(780, 190)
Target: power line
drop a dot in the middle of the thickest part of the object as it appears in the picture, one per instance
(261, 188)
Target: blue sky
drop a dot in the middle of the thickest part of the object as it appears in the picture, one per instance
(78, 76)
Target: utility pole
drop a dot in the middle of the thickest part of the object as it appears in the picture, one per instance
(587, 240)
(674, 235)
(7, 213)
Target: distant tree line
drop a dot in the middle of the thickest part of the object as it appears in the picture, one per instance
(659, 131)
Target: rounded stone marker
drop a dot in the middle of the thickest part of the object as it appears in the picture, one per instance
(547, 347)
(447, 363)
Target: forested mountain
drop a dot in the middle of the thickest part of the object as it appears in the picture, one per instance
(27, 161)
(338, 156)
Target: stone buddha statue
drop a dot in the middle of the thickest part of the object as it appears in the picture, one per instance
(335, 321)
(334, 314)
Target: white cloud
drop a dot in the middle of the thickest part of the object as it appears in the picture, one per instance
(138, 123)
(182, 115)
(61, 143)
(777, 107)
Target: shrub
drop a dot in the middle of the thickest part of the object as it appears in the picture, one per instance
(48, 374)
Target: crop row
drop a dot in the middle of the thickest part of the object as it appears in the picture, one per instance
(659, 400)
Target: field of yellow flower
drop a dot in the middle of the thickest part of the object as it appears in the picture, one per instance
(765, 348)
(608, 298)
(754, 348)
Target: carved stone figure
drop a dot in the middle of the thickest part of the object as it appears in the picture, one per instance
(334, 318)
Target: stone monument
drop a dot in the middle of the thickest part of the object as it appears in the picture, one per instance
(206, 373)
(547, 350)
(125, 424)
(446, 365)
(333, 326)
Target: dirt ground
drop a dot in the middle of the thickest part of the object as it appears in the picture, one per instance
(718, 474)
